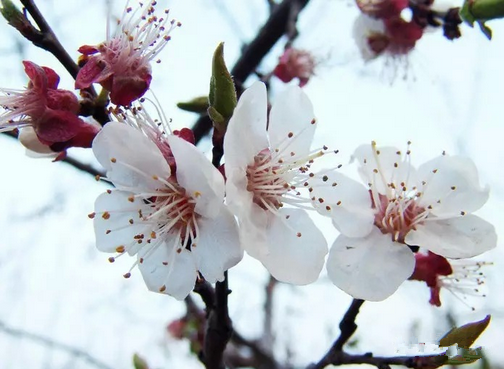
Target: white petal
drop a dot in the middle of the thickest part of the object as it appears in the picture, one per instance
(462, 237)
(369, 268)
(346, 201)
(384, 166)
(246, 132)
(451, 172)
(35, 148)
(217, 247)
(293, 259)
(114, 229)
(253, 220)
(176, 278)
(291, 122)
(363, 27)
(137, 158)
(197, 175)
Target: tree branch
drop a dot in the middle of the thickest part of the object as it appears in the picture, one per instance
(86, 168)
(78, 353)
(347, 327)
(47, 40)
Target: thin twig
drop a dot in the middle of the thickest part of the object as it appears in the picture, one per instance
(268, 335)
(347, 327)
(47, 40)
(86, 168)
(77, 353)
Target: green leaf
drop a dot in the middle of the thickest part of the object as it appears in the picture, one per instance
(11, 13)
(139, 363)
(465, 336)
(196, 105)
(222, 96)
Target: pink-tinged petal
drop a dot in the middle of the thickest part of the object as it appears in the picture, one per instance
(382, 166)
(29, 139)
(369, 268)
(88, 49)
(462, 237)
(62, 100)
(52, 78)
(84, 138)
(186, 134)
(291, 122)
(246, 131)
(217, 247)
(344, 200)
(297, 248)
(117, 221)
(452, 186)
(167, 271)
(201, 180)
(95, 71)
(138, 161)
(38, 78)
(127, 89)
(57, 126)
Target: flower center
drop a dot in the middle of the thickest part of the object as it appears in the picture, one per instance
(266, 181)
(397, 215)
(172, 211)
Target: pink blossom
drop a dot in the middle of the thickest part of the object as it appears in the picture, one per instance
(121, 64)
(295, 63)
(457, 276)
(51, 112)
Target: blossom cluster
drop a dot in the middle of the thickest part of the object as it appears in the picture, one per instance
(185, 220)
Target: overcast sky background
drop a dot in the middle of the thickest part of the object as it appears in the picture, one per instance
(444, 96)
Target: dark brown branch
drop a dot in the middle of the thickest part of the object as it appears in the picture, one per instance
(267, 37)
(417, 362)
(47, 40)
(347, 327)
(77, 353)
(260, 358)
(86, 168)
(219, 328)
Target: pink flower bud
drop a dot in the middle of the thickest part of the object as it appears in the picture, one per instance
(51, 112)
(121, 64)
(295, 63)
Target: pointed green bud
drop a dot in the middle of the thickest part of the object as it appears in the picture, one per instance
(139, 363)
(465, 336)
(197, 105)
(222, 97)
(12, 14)
(480, 11)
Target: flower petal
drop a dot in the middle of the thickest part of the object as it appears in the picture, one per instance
(453, 181)
(297, 248)
(246, 132)
(346, 201)
(96, 70)
(381, 166)
(137, 159)
(198, 176)
(29, 139)
(217, 247)
(167, 271)
(462, 237)
(369, 268)
(112, 222)
(291, 123)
